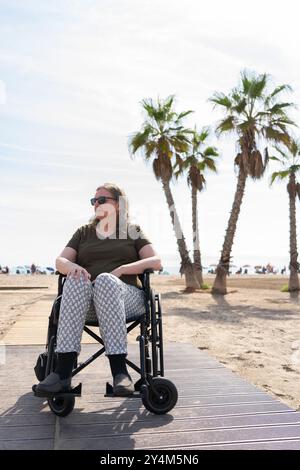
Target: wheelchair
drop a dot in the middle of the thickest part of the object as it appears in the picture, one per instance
(159, 395)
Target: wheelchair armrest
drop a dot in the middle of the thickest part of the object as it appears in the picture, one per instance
(145, 279)
(59, 274)
(60, 281)
(150, 270)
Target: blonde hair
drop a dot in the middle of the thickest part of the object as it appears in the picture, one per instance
(117, 193)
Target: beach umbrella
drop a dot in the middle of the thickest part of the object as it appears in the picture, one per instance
(247, 266)
(257, 267)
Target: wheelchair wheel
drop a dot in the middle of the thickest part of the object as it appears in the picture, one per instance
(61, 406)
(167, 399)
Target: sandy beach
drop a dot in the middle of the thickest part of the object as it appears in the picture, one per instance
(254, 330)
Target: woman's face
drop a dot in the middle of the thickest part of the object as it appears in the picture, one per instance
(107, 210)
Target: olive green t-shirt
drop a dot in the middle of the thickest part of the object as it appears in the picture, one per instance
(102, 255)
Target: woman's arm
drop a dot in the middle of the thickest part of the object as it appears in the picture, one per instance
(65, 264)
(148, 260)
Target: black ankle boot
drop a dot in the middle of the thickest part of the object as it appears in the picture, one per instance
(118, 364)
(65, 364)
(53, 384)
(59, 380)
(122, 383)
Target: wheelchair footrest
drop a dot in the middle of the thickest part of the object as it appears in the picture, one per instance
(73, 392)
(110, 393)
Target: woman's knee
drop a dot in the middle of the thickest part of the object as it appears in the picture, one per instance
(77, 287)
(107, 280)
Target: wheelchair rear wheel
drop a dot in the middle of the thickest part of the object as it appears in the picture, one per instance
(166, 399)
(61, 406)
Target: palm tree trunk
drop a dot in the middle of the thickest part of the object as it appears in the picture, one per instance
(219, 286)
(196, 243)
(186, 264)
(294, 265)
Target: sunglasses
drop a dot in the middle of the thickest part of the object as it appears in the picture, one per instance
(100, 199)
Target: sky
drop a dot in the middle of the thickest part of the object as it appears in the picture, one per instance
(72, 77)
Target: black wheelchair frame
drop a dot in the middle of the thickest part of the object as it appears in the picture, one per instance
(159, 395)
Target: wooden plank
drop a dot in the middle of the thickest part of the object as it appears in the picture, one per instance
(134, 404)
(96, 413)
(178, 440)
(28, 444)
(36, 419)
(163, 424)
(10, 433)
(284, 444)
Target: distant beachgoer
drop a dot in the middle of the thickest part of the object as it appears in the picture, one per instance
(246, 271)
(33, 268)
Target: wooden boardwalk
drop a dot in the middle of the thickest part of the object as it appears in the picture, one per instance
(216, 409)
(31, 327)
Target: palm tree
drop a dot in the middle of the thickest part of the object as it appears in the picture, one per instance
(161, 138)
(290, 167)
(196, 161)
(253, 113)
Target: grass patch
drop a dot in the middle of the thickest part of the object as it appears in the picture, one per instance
(285, 288)
(205, 286)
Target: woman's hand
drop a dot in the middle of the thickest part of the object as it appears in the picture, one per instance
(117, 272)
(77, 271)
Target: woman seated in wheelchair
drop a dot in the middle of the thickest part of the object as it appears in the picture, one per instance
(101, 263)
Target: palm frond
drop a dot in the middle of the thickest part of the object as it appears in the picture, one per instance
(253, 84)
(256, 167)
(278, 108)
(246, 82)
(202, 135)
(277, 160)
(162, 168)
(278, 175)
(281, 175)
(281, 151)
(240, 106)
(150, 148)
(274, 135)
(178, 162)
(294, 168)
(277, 90)
(211, 152)
(195, 178)
(168, 103)
(295, 147)
(180, 116)
(226, 125)
(209, 163)
(220, 99)
(139, 139)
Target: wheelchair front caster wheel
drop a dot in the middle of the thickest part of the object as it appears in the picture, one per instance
(165, 400)
(61, 406)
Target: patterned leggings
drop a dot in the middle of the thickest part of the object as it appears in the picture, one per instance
(109, 300)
